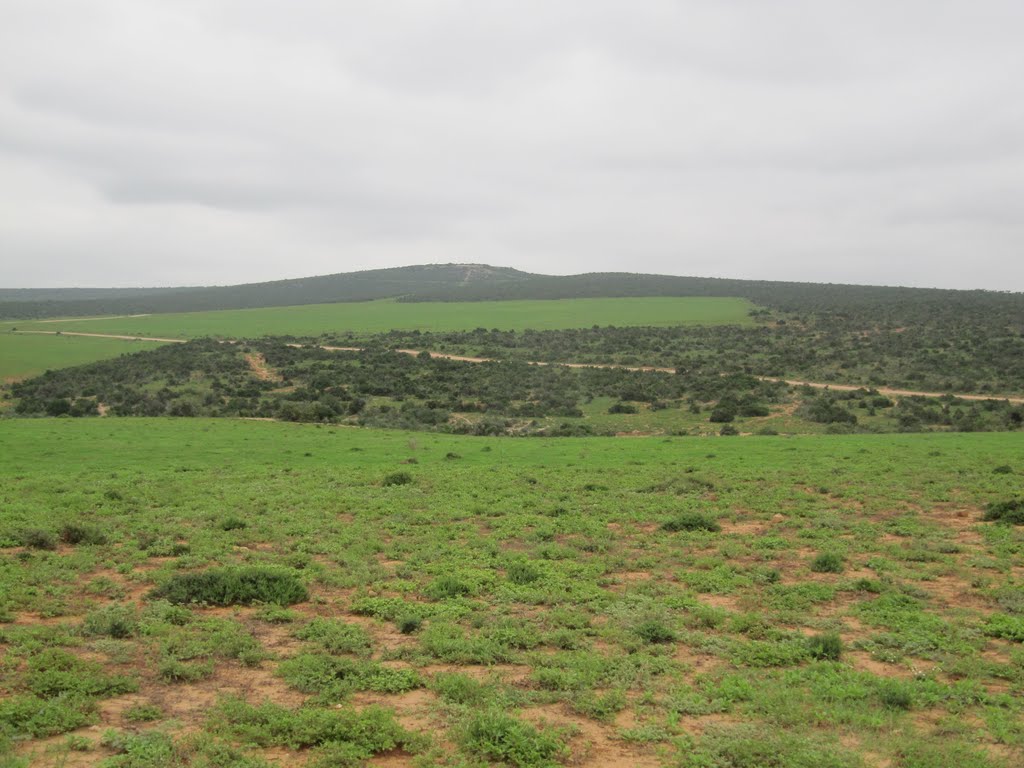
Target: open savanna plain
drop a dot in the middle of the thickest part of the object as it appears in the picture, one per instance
(26, 355)
(388, 314)
(241, 593)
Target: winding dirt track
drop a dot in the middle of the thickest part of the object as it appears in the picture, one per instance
(1015, 399)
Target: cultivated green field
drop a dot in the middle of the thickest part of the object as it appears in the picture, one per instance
(22, 356)
(820, 601)
(380, 316)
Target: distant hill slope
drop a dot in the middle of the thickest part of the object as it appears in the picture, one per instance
(480, 282)
(324, 289)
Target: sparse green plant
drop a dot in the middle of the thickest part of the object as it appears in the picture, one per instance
(826, 647)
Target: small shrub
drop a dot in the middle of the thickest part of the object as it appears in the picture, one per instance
(37, 538)
(827, 647)
(895, 696)
(691, 521)
(1007, 627)
(139, 750)
(175, 671)
(76, 533)
(523, 573)
(600, 706)
(117, 621)
(233, 586)
(457, 688)
(335, 636)
(232, 524)
(1002, 469)
(728, 430)
(143, 713)
(397, 478)
(653, 631)
(275, 614)
(827, 562)
(867, 585)
(362, 733)
(446, 587)
(1010, 511)
(497, 736)
(621, 407)
(55, 673)
(407, 625)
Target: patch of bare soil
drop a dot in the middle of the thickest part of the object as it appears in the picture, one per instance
(744, 527)
(594, 745)
(258, 365)
(864, 662)
(727, 602)
(412, 709)
(951, 591)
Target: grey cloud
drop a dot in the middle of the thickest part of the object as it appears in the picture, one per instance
(146, 143)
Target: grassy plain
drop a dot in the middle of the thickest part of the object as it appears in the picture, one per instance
(721, 602)
(382, 316)
(22, 356)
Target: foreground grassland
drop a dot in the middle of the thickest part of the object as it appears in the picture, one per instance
(795, 602)
(381, 316)
(24, 356)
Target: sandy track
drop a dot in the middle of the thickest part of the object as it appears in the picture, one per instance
(105, 336)
(84, 319)
(888, 391)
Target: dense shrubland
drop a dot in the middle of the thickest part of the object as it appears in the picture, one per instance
(382, 388)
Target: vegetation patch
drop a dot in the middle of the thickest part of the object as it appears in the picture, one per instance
(1010, 511)
(233, 586)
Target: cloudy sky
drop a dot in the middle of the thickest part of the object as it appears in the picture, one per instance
(148, 142)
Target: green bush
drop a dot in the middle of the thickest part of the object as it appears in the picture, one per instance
(895, 695)
(335, 636)
(409, 624)
(232, 524)
(117, 621)
(691, 521)
(457, 688)
(827, 647)
(233, 586)
(37, 538)
(54, 673)
(37, 717)
(366, 732)
(333, 678)
(827, 562)
(446, 587)
(1010, 511)
(143, 713)
(1007, 627)
(497, 736)
(764, 746)
(654, 631)
(76, 533)
(523, 573)
(397, 478)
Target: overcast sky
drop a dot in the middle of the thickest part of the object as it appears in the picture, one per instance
(149, 142)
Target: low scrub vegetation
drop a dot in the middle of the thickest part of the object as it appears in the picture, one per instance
(233, 586)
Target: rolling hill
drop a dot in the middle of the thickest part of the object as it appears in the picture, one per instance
(480, 282)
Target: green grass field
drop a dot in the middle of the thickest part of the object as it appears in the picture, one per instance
(825, 601)
(24, 356)
(380, 316)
